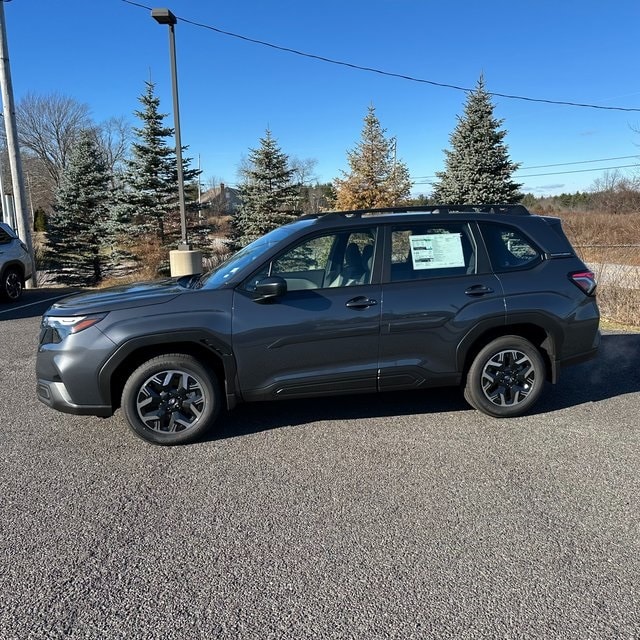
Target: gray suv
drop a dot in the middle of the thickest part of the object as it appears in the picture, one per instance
(15, 264)
(491, 298)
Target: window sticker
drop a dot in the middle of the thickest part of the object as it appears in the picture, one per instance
(437, 251)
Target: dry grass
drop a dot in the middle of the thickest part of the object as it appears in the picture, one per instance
(620, 304)
(598, 236)
(599, 239)
(151, 258)
(152, 261)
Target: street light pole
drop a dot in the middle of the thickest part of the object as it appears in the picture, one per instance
(164, 16)
(184, 259)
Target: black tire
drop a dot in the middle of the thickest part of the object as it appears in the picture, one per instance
(171, 399)
(12, 284)
(506, 378)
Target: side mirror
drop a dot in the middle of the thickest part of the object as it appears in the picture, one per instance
(270, 288)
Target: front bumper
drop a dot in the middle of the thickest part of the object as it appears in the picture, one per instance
(56, 396)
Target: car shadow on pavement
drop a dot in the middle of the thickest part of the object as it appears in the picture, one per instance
(264, 416)
(34, 302)
(614, 372)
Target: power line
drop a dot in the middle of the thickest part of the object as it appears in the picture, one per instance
(537, 175)
(560, 164)
(560, 173)
(566, 164)
(390, 74)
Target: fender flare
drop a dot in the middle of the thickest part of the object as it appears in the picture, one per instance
(200, 339)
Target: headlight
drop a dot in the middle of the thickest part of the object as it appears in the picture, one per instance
(57, 328)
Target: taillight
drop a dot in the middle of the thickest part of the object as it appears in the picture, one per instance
(585, 280)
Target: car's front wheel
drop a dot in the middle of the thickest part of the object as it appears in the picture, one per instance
(171, 399)
(506, 377)
(12, 284)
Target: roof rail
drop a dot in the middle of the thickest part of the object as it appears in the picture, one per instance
(448, 209)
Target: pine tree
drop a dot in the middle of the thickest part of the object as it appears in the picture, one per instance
(78, 241)
(478, 169)
(150, 203)
(376, 178)
(268, 193)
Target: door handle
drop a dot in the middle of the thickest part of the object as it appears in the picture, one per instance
(361, 302)
(478, 290)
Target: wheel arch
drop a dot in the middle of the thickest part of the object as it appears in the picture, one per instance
(539, 336)
(13, 264)
(115, 373)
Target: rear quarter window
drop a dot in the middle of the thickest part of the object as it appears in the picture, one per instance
(509, 248)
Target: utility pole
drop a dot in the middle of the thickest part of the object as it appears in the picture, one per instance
(394, 141)
(13, 148)
(199, 192)
(2, 214)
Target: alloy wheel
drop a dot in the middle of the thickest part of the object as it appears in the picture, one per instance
(508, 377)
(170, 401)
(13, 285)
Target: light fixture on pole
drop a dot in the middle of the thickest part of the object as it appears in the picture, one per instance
(184, 261)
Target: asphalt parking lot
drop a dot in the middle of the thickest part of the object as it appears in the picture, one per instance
(399, 516)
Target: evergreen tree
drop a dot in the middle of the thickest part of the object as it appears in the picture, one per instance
(39, 220)
(150, 202)
(78, 240)
(376, 178)
(478, 169)
(268, 194)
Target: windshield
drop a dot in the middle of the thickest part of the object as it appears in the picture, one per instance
(251, 253)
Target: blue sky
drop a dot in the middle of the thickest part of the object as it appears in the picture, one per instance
(102, 51)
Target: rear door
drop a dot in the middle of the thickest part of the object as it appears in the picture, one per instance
(437, 289)
(538, 288)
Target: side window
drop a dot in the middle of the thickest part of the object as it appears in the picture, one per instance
(341, 259)
(508, 248)
(5, 238)
(306, 258)
(425, 251)
(353, 265)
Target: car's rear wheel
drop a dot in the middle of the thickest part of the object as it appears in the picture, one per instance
(171, 399)
(506, 377)
(12, 284)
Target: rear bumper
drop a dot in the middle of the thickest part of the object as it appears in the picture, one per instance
(56, 396)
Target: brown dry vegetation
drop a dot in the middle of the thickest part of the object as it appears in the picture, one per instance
(597, 238)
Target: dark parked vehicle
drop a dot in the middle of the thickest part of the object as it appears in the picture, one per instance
(490, 297)
(15, 264)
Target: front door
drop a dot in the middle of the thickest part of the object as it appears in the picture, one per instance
(321, 337)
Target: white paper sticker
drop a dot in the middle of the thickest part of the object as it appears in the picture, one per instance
(437, 251)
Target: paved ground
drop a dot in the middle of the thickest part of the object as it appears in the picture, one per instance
(400, 516)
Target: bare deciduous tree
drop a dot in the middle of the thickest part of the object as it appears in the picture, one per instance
(114, 136)
(48, 127)
(616, 193)
(304, 171)
(38, 182)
